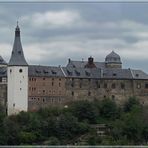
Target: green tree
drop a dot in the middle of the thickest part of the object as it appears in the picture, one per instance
(66, 126)
(85, 110)
(109, 109)
(132, 101)
(11, 132)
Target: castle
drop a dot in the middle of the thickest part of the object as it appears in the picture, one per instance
(30, 87)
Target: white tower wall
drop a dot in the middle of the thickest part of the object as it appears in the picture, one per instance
(17, 89)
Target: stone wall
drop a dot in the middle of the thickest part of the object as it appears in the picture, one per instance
(45, 91)
(90, 89)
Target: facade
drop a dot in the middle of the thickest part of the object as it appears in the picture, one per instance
(30, 87)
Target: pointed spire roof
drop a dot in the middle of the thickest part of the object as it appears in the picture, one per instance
(17, 55)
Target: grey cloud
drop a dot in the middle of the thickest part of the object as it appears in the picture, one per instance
(102, 27)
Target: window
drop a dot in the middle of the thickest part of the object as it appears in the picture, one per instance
(80, 85)
(0, 79)
(60, 79)
(59, 84)
(4, 79)
(43, 78)
(105, 85)
(43, 100)
(52, 83)
(10, 70)
(114, 74)
(97, 84)
(43, 91)
(72, 93)
(138, 85)
(89, 93)
(146, 85)
(122, 86)
(20, 70)
(104, 96)
(72, 84)
(113, 86)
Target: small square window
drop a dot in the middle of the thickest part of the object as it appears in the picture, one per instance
(146, 85)
(122, 86)
(72, 93)
(114, 74)
(89, 93)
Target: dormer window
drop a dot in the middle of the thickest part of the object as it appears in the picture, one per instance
(137, 75)
(77, 73)
(114, 74)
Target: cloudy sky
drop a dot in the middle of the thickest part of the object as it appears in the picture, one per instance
(53, 32)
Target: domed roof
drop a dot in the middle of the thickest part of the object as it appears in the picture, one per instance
(113, 58)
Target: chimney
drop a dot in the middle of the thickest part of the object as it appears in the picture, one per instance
(90, 60)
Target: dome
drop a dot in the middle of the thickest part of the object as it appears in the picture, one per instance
(113, 58)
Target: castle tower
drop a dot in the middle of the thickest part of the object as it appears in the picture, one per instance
(17, 72)
(113, 60)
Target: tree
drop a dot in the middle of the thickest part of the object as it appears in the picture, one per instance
(11, 132)
(66, 126)
(109, 109)
(84, 110)
(132, 101)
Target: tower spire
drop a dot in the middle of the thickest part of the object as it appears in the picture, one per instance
(17, 56)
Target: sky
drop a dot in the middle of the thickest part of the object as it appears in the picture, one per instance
(51, 33)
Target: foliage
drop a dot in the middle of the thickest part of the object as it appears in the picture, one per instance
(62, 126)
(84, 110)
(53, 141)
(109, 109)
(132, 101)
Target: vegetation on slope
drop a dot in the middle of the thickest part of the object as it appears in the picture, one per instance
(128, 125)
